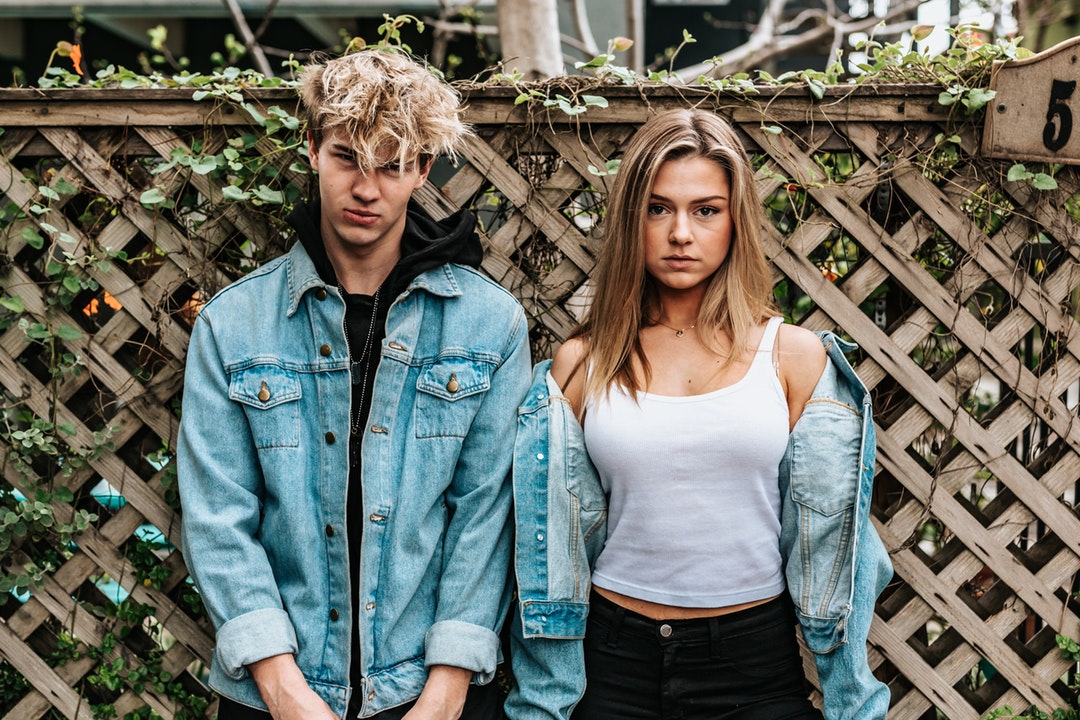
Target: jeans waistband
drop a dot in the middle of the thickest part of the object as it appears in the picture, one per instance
(618, 618)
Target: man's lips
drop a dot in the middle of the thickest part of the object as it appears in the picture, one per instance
(360, 217)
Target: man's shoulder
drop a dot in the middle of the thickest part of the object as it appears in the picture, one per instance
(474, 283)
(257, 286)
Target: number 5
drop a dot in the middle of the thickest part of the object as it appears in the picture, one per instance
(1057, 137)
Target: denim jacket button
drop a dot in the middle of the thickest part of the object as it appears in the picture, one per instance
(320, 294)
(540, 537)
(379, 429)
(371, 695)
(396, 346)
(539, 456)
(325, 351)
(329, 531)
(333, 614)
(369, 606)
(330, 438)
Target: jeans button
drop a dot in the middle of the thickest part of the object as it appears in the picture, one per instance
(665, 630)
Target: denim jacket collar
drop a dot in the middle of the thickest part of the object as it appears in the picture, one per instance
(303, 276)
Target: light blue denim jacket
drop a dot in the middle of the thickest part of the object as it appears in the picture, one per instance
(263, 465)
(836, 566)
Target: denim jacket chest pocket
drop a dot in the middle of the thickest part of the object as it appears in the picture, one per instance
(271, 396)
(449, 393)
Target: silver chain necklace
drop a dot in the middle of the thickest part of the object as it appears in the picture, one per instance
(365, 358)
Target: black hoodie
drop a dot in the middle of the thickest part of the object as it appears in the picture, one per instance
(426, 244)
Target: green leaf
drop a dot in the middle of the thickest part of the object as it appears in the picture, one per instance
(773, 129)
(946, 99)
(1018, 172)
(153, 196)
(200, 95)
(596, 100)
(68, 332)
(817, 88)
(63, 187)
(268, 195)
(205, 164)
(1042, 181)
(72, 284)
(231, 192)
(598, 61)
(63, 493)
(48, 192)
(14, 304)
(32, 238)
(977, 98)
(38, 331)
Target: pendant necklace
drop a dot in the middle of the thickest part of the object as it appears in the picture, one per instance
(678, 333)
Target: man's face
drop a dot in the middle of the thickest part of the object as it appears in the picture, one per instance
(362, 211)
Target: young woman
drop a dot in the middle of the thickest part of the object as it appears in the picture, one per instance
(689, 388)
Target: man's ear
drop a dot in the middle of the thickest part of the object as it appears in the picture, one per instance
(425, 168)
(313, 152)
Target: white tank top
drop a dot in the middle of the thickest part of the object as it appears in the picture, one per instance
(693, 488)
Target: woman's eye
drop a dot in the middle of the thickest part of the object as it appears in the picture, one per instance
(656, 209)
(708, 211)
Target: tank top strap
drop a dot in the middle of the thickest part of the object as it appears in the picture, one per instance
(768, 338)
(766, 352)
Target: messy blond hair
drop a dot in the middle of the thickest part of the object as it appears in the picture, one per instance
(382, 101)
(739, 295)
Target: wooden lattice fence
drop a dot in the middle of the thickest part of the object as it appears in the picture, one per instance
(960, 287)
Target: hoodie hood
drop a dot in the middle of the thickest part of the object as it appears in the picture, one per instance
(427, 243)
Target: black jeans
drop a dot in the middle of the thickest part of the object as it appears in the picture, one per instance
(742, 666)
(484, 702)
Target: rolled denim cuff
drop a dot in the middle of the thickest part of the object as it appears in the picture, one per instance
(464, 645)
(254, 636)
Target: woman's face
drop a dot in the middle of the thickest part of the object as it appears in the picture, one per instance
(688, 225)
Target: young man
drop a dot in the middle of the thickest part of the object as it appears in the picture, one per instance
(348, 424)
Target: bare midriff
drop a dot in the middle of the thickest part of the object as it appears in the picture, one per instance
(659, 611)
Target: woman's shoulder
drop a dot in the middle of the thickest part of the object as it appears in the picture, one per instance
(795, 339)
(569, 360)
(568, 369)
(802, 360)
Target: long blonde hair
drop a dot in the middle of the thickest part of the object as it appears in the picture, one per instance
(739, 295)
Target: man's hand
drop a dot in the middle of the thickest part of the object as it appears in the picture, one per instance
(285, 691)
(443, 697)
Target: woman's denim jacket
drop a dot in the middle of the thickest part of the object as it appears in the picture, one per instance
(263, 463)
(836, 565)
